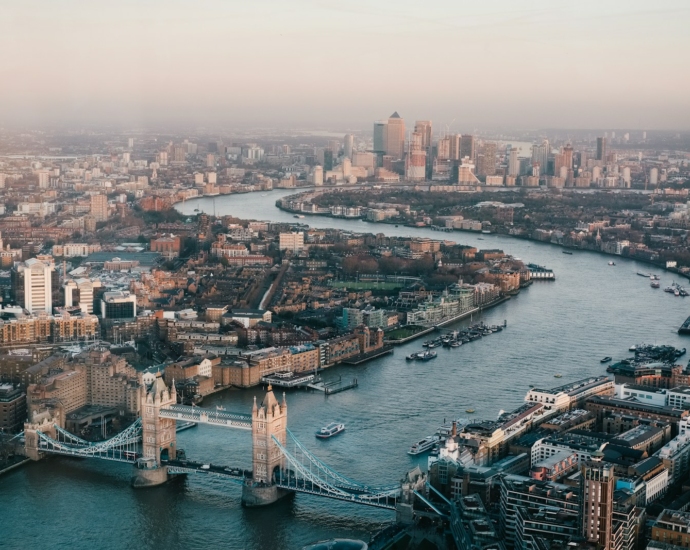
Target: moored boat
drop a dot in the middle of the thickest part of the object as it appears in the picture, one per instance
(605, 359)
(426, 356)
(424, 445)
(334, 428)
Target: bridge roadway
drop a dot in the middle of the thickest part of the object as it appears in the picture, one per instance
(299, 485)
(238, 475)
(208, 416)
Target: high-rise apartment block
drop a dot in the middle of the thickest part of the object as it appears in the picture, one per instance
(540, 154)
(99, 207)
(415, 162)
(423, 128)
(293, 241)
(597, 483)
(486, 159)
(395, 136)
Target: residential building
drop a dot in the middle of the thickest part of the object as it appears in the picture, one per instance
(292, 242)
(99, 207)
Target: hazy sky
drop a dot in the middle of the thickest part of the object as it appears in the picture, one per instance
(326, 63)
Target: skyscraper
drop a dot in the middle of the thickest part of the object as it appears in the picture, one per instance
(415, 162)
(601, 149)
(454, 145)
(513, 162)
(423, 128)
(395, 136)
(568, 156)
(467, 147)
(380, 136)
(486, 159)
(348, 145)
(597, 484)
(540, 154)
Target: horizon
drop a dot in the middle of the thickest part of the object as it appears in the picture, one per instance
(317, 63)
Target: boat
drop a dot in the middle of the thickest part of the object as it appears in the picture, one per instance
(644, 274)
(412, 356)
(558, 376)
(486, 232)
(632, 348)
(456, 344)
(685, 327)
(426, 356)
(567, 252)
(653, 277)
(334, 428)
(676, 292)
(298, 216)
(424, 445)
(669, 289)
(469, 411)
(654, 284)
(605, 359)
(612, 263)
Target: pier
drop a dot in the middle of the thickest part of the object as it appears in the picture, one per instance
(289, 379)
(334, 386)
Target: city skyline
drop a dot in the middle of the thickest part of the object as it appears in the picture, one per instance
(275, 64)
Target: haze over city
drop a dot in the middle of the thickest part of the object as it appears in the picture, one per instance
(328, 64)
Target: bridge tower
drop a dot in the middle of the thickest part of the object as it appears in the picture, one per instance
(268, 420)
(158, 435)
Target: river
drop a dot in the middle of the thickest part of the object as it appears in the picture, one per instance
(562, 327)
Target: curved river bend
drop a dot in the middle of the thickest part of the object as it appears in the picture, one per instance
(590, 311)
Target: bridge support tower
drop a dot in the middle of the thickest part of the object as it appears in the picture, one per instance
(268, 420)
(158, 435)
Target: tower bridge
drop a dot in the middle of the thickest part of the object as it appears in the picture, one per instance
(281, 464)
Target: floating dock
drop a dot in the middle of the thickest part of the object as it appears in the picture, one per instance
(334, 386)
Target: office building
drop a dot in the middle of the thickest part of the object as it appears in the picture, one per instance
(380, 136)
(601, 149)
(395, 136)
(513, 163)
(99, 207)
(467, 147)
(12, 408)
(80, 293)
(348, 145)
(34, 281)
(118, 304)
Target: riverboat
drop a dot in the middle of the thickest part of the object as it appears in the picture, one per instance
(424, 445)
(426, 356)
(334, 428)
(612, 263)
(567, 252)
(605, 359)
(654, 284)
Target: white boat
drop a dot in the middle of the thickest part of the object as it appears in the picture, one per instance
(612, 263)
(424, 445)
(334, 428)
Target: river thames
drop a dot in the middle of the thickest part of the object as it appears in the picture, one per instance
(563, 327)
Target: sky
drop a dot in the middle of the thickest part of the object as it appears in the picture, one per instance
(342, 64)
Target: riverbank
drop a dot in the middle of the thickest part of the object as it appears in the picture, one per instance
(449, 321)
(14, 466)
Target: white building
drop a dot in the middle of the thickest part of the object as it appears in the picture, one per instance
(644, 394)
(293, 241)
(676, 456)
(79, 292)
(565, 397)
(38, 288)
